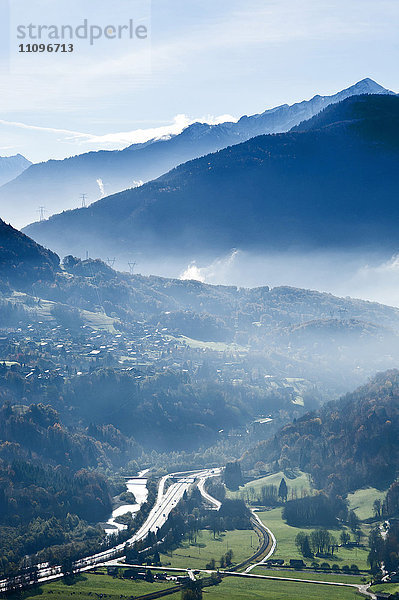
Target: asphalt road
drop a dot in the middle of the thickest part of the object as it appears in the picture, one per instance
(164, 504)
(201, 486)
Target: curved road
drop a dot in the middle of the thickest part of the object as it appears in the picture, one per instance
(261, 529)
(164, 504)
(201, 486)
(271, 539)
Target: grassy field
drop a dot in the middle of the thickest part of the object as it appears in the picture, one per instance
(199, 554)
(362, 501)
(297, 482)
(286, 549)
(88, 585)
(43, 311)
(98, 320)
(306, 575)
(247, 589)
(300, 386)
(390, 588)
(216, 346)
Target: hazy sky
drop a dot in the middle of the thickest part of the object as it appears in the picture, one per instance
(202, 59)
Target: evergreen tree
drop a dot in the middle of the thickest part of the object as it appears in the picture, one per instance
(283, 490)
(233, 475)
(193, 591)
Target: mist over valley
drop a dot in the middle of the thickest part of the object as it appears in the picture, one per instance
(205, 362)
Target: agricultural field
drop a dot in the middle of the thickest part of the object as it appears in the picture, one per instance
(196, 555)
(41, 309)
(242, 589)
(388, 588)
(286, 548)
(297, 482)
(362, 502)
(215, 346)
(89, 585)
(308, 575)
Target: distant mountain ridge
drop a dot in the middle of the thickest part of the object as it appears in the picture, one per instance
(283, 118)
(329, 184)
(58, 184)
(12, 166)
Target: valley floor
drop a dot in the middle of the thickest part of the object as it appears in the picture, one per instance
(196, 555)
(243, 543)
(87, 586)
(242, 589)
(286, 548)
(91, 585)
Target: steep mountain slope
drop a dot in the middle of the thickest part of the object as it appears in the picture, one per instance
(331, 184)
(347, 444)
(12, 166)
(48, 488)
(59, 184)
(22, 261)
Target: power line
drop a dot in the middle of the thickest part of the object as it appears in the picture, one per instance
(131, 267)
(42, 211)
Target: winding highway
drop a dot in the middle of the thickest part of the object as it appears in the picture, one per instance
(164, 504)
(201, 486)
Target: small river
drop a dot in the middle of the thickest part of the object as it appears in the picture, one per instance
(138, 487)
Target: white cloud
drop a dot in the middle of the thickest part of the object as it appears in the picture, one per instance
(232, 56)
(340, 273)
(389, 267)
(74, 142)
(379, 282)
(101, 187)
(139, 136)
(218, 271)
(43, 129)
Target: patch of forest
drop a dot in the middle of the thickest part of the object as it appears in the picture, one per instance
(346, 444)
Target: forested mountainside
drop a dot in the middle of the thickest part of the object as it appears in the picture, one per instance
(49, 492)
(268, 193)
(58, 184)
(346, 444)
(22, 261)
(92, 284)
